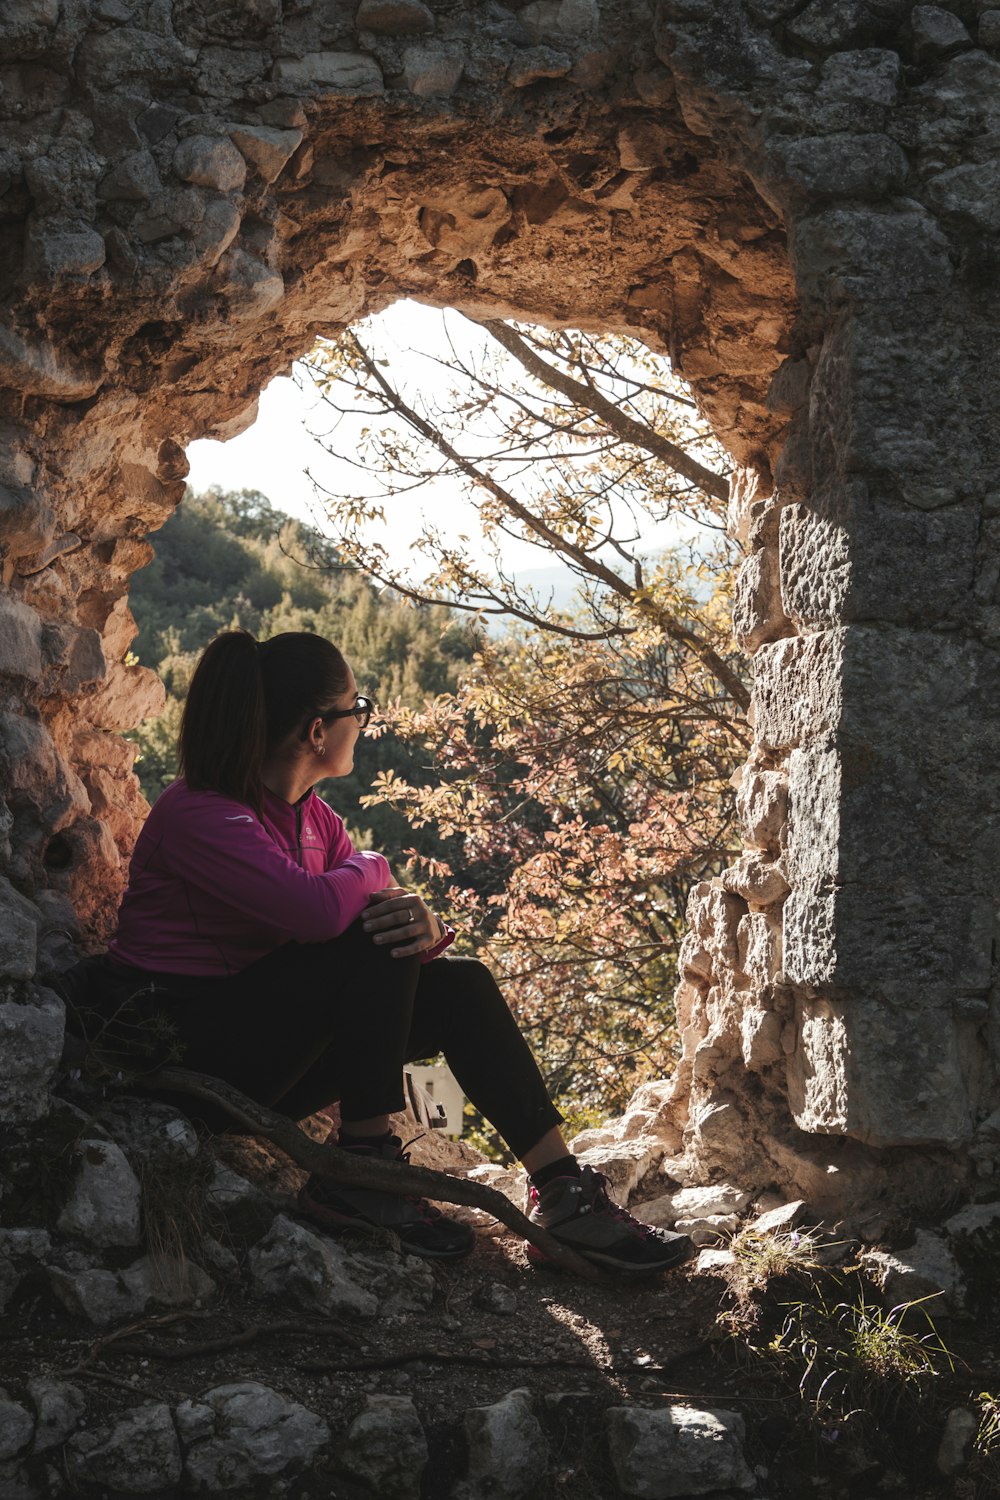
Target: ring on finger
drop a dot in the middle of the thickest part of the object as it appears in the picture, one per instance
(412, 917)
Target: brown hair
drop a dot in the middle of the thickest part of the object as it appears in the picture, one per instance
(245, 697)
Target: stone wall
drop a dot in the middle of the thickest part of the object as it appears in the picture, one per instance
(798, 202)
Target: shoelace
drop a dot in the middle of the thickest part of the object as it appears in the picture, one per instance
(604, 1203)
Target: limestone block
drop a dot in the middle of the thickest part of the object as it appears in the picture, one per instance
(886, 1070)
(780, 1220)
(385, 1447)
(256, 1435)
(713, 1262)
(126, 697)
(935, 33)
(508, 1454)
(989, 29)
(97, 1295)
(762, 807)
(432, 71)
(251, 288)
(814, 811)
(125, 53)
(926, 1269)
(532, 63)
(31, 1042)
(58, 1408)
(16, 1426)
(210, 162)
(865, 253)
(759, 951)
(960, 1428)
(69, 251)
(167, 1281)
(760, 1038)
(837, 166)
(624, 1163)
(291, 1261)
(789, 388)
(857, 88)
(720, 1198)
(672, 1451)
(798, 689)
(266, 148)
(19, 919)
(757, 612)
(712, 1229)
(746, 489)
(77, 653)
(968, 192)
(979, 1222)
(714, 915)
(26, 521)
(104, 1202)
(394, 17)
(134, 179)
(758, 880)
(568, 18)
(138, 1454)
(351, 72)
(693, 958)
(830, 24)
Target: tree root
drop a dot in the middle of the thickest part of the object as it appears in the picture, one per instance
(341, 1166)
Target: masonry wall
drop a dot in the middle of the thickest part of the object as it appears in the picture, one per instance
(798, 203)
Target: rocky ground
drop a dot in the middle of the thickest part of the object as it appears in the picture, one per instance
(223, 1345)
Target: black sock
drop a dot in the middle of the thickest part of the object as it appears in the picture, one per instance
(566, 1166)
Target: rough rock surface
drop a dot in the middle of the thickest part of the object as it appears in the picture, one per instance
(677, 1451)
(799, 203)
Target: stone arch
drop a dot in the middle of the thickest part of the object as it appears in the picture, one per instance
(193, 192)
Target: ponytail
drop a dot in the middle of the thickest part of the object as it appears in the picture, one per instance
(223, 733)
(245, 698)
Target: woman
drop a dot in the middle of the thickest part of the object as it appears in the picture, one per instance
(293, 966)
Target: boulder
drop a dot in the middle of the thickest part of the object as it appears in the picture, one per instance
(676, 1451)
(16, 1427)
(243, 1433)
(31, 1042)
(104, 1203)
(926, 1269)
(385, 1448)
(291, 1261)
(508, 1454)
(58, 1408)
(139, 1454)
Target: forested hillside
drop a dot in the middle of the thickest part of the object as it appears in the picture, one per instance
(225, 560)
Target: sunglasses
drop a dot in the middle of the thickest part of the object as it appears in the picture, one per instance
(362, 711)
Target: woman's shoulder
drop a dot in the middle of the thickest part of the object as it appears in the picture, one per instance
(179, 800)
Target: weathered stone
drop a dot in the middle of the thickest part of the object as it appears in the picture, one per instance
(394, 17)
(759, 955)
(762, 805)
(58, 1409)
(37, 368)
(94, 1294)
(138, 1454)
(31, 1041)
(291, 1261)
(432, 71)
(257, 1435)
(839, 166)
(18, 933)
(759, 881)
(676, 1451)
(135, 179)
(508, 1454)
(936, 33)
(567, 18)
(780, 1220)
(210, 162)
(989, 29)
(960, 1428)
(624, 1163)
(72, 252)
(104, 1202)
(711, 1229)
(385, 1448)
(266, 148)
(757, 612)
(251, 288)
(16, 1427)
(167, 1281)
(532, 63)
(894, 1084)
(979, 1222)
(351, 72)
(926, 1269)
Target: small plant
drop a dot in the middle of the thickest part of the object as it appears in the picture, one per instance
(860, 1364)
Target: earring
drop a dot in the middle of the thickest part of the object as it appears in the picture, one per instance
(319, 749)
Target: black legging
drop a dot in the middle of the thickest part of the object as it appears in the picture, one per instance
(313, 1022)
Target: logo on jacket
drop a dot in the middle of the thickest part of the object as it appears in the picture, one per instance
(239, 818)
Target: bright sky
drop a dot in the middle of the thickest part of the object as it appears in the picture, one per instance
(274, 455)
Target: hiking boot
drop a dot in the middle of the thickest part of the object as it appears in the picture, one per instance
(579, 1213)
(421, 1228)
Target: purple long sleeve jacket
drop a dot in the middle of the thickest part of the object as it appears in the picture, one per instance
(213, 887)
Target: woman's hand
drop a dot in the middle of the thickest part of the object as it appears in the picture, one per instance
(398, 916)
